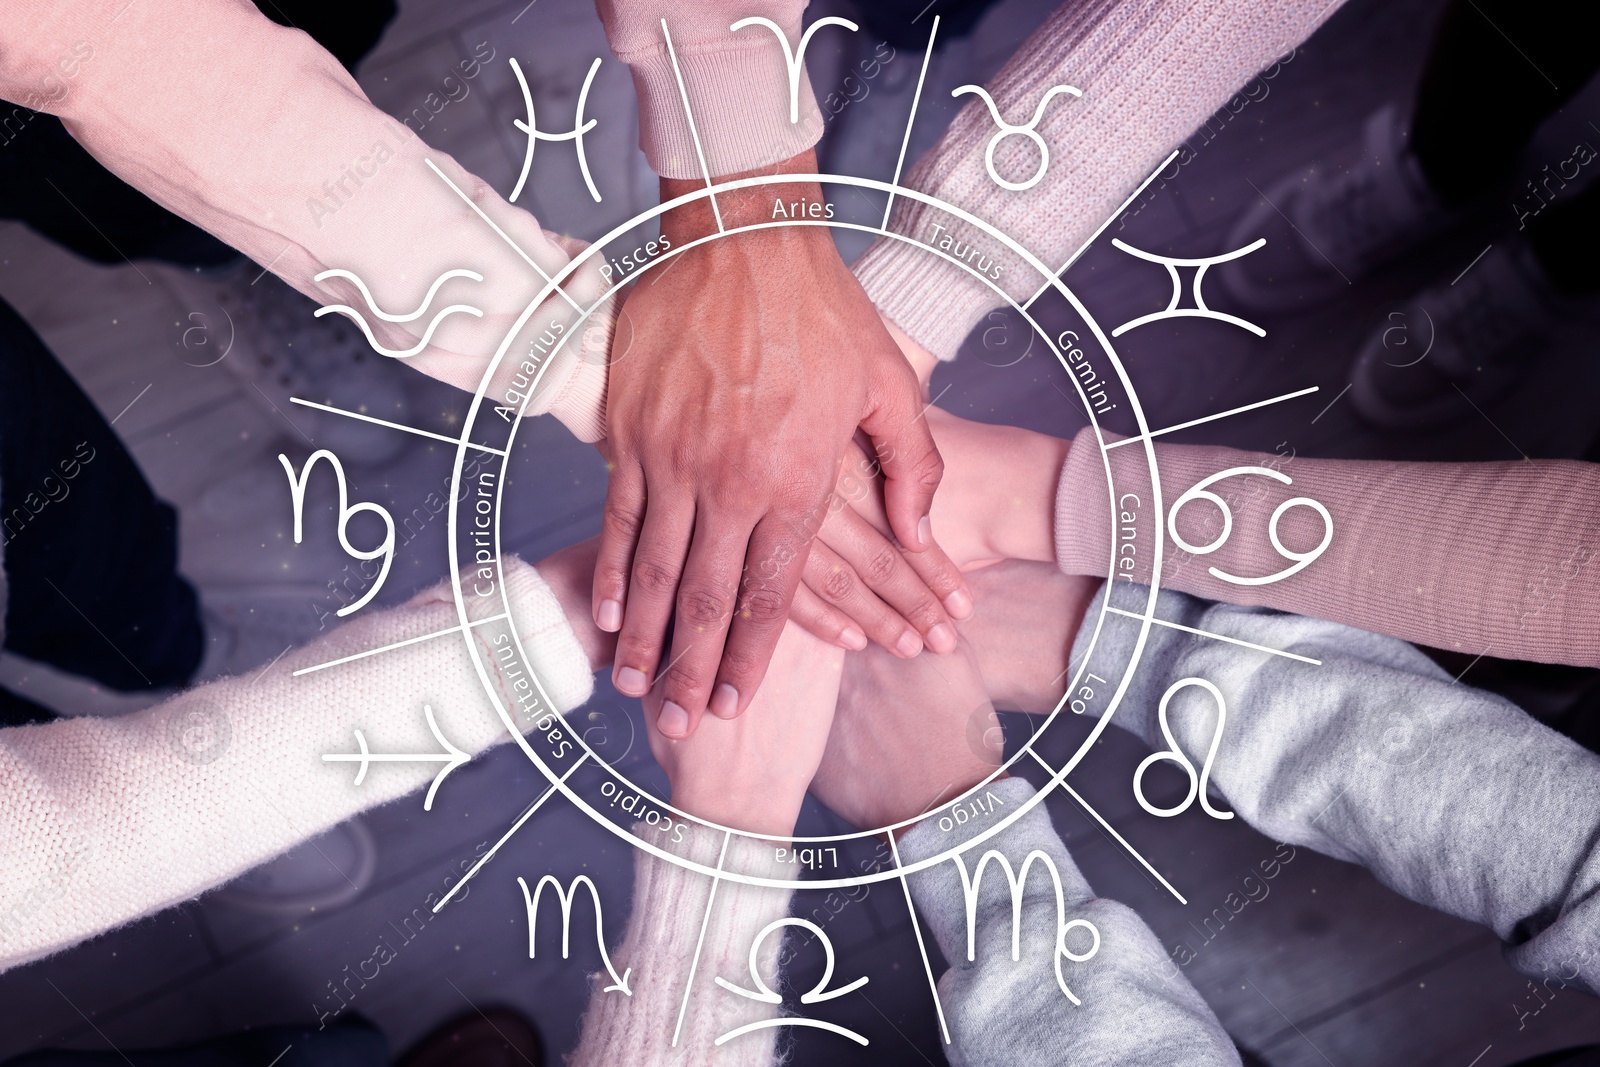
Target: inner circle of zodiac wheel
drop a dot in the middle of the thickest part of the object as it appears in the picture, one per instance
(580, 773)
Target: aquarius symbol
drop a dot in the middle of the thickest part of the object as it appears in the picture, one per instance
(818, 993)
(969, 887)
(1027, 130)
(1199, 311)
(1197, 785)
(579, 128)
(452, 757)
(795, 59)
(565, 897)
(372, 306)
(385, 548)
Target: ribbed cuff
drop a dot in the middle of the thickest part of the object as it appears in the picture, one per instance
(556, 657)
(935, 302)
(1083, 510)
(739, 93)
(580, 400)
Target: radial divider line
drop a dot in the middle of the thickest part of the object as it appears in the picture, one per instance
(524, 817)
(1216, 637)
(503, 235)
(694, 963)
(694, 135)
(397, 644)
(916, 927)
(393, 425)
(905, 142)
(1211, 418)
(1099, 230)
(1073, 793)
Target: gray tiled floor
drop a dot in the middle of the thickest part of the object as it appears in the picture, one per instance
(1329, 969)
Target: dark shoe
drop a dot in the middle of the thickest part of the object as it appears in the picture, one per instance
(1468, 339)
(494, 1037)
(1329, 229)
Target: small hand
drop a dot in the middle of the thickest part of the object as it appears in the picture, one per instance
(751, 773)
(907, 736)
(860, 584)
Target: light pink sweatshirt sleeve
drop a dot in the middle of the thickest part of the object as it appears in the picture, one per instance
(1480, 558)
(737, 83)
(256, 134)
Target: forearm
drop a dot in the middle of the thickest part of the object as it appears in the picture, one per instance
(999, 485)
(664, 933)
(1495, 558)
(1372, 754)
(1150, 73)
(107, 820)
(256, 134)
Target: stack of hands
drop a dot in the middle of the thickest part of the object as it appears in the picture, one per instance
(875, 700)
(768, 548)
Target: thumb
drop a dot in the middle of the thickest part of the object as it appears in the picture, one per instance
(905, 451)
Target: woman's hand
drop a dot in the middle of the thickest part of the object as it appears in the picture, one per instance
(996, 502)
(907, 737)
(751, 773)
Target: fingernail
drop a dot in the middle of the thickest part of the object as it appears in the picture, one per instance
(674, 721)
(908, 645)
(959, 604)
(610, 617)
(632, 682)
(942, 638)
(853, 639)
(725, 701)
(925, 531)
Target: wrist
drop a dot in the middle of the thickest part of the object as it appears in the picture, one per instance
(1022, 469)
(752, 809)
(798, 200)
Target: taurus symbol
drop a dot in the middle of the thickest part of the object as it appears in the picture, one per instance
(1027, 130)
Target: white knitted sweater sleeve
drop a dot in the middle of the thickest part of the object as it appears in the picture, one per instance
(108, 820)
(1150, 71)
(676, 1013)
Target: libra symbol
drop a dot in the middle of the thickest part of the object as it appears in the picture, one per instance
(1199, 311)
(579, 128)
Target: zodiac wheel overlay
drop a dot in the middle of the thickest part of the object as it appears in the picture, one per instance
(573, 768)
(1110, 640)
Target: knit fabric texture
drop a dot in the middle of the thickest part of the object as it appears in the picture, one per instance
(108, 820)
(1149, 72)
(1518, 581)
(678, 1010)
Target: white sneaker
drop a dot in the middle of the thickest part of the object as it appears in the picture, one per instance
(1326, 231)
(267, 335)
(325, 872)
(250, 627)
(1473, 337)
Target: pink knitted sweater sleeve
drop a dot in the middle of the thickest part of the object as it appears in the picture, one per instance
(257, 135)
(737, 84)
(1491, 558)
(1150, 72)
